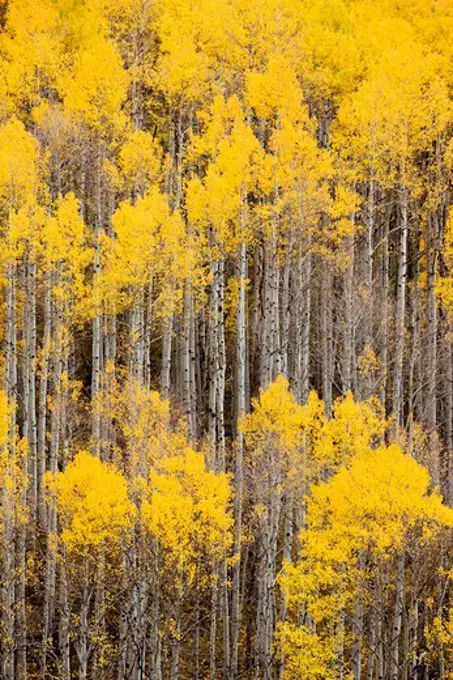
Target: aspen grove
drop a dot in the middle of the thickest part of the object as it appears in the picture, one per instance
(226, 339)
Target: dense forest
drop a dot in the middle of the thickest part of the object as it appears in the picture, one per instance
(226, 289)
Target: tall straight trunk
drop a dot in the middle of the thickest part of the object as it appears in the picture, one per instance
(448, 467)
(29, 463)
(257, 314)
(266, 326)
(8, 670)
(306, 329)
(215, 361)
(173, 187)
(368, 334)
(57, 368)
(285, 322)
(358, 642)
(148, 333)
(196, 640)
(270, 479)
(154, 643)
(340, 643)
(136, 337)
(176, 638)
(221, 368)
(397, 619)
(241, 358)
(10, 372)
(413, 638)
(31, 360)
(8, 498)
(380, 661)
(431, 363)
(166, 357)
(21, 603)
(372, 646)
(414, 380)
(385, 304)
(64, 638)
(98, 627)
(302, 326)
(326, 337)
(188, 401)
(213, 629)
(213, 349)
(216, 429)
(221, 456)
(398, 374)
(42, 398)
(276, 346)
(194, 356)
(271, 342)
(83, 643)
(288, 535)
(348, 325)
(97, 362)
(57, 332)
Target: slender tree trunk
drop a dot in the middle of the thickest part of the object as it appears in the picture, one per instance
(385, 305)
(166, 357)
(432, 254)
(348, 329)
(398, 375)
(188, 378)
(397, 619)
(8, 498)
(42, 400)
(241, 357)
(326, 337)
(97, 362)
(368, 334)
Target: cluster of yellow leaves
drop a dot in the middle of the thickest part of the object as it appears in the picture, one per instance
(192, 40)
(354, 427)
(30, 49)
(140, 161)
(66, 250)
(188, 511)
(373, 504)
(309, 656)
(148, 247)
(5, 409)
(439, 636)
(97, 88)
(368, 512)
(93, 503)
(13, 478)
(72, 63)
(277, 419)
(144, 425)
(308, 443)
(168, 492)
(378, 502)
(19, 165)
(14, 483)
(235, 154)
(397, 113)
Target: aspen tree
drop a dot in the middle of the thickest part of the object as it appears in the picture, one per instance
(244, 205)
(329, 584)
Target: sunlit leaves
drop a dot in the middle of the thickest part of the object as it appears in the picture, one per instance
(92, 499)
(188, 511)
(368, 513)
